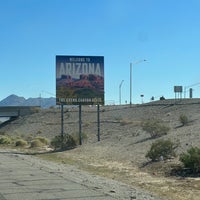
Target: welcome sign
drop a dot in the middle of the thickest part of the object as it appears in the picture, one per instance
(80, 80)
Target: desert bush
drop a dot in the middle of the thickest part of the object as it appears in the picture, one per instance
(21, 143)
(65, 142)
(43, 140)
(76, 137)
(191, 159)
(183, 119)
(161, 150)
(155, 128)
(5, 140)
(56, 142)
(39, 132)
(36, 143)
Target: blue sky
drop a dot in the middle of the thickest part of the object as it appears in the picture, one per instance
(164, 32)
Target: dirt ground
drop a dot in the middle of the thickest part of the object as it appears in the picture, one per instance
(120, 154)
(152, 178)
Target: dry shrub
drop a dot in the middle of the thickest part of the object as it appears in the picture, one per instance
(191, 159)
(65, 142)
(75, 136)
(183, 119)
(21, 143)
(5, 140)
(43, 140)
(36, 143)
(155, 128)
(161, 149)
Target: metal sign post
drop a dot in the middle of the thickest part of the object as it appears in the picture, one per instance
(62, 124)
(98, 122)
(80, 126)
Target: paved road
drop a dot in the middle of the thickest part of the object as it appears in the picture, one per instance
(25, 177)
(24, 180)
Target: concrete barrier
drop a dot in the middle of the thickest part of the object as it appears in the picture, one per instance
(16, 111)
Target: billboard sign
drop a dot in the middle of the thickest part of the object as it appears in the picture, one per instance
(178, 89)
(79, 80)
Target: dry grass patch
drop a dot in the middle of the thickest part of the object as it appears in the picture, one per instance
(152, 177)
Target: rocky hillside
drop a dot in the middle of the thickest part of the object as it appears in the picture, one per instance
(120, 125)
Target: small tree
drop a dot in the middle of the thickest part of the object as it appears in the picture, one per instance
(161, 149)
(191, 159)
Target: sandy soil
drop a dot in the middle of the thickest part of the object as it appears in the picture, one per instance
(120, 155)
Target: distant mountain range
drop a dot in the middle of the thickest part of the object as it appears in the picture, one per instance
(14, 100)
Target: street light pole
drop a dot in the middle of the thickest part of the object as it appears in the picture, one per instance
(186, 87)
(120, 91)
(131, 64)
(130, 84)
